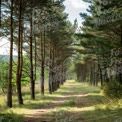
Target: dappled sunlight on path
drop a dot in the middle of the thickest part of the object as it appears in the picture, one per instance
(71, 100)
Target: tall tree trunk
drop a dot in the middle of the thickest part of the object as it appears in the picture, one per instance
(50, 68)
(53, 72)
(91, 74)
(31, 61)
(44, 44)
(35, 59)
(94, 73)
(100, 72)
(42, 62)
(62, 73)
(9, 92)
(19, 65)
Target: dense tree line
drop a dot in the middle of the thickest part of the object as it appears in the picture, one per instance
(43, 35)
(101, 42)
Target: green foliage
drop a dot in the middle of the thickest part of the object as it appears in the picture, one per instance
(113, 90)
(25, 73)
(3, 75)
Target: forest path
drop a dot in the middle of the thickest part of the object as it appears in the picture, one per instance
(68, 104)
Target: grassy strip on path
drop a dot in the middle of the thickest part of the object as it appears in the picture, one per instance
(73, 102)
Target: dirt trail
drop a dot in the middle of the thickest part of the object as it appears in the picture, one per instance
(72, 95)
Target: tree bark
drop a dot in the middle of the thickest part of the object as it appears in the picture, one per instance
(42, 62)
(50, 68)
(9, 92)
(31, 61)
(19, 63)
(35, 60)
(100, 72)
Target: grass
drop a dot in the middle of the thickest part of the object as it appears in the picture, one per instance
(10, 117)
(73, 102)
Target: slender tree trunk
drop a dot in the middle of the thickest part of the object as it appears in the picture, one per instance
(31, 61)
(54, 70)
(21, 51)
(19, 65)
(53, 73)
(62, 73)
(94, 73)
(44, 44)
(85, 71)
(91, 74)
(100, 73)
(42, 62)
(9, 92)
(50, 69)
(35, 59)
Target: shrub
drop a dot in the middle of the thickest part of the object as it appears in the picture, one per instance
(113, 90)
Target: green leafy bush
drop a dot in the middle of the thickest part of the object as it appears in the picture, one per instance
(113, 90)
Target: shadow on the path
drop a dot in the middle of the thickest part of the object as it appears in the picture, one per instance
(85, 100)
(70, 96)
(100, 115)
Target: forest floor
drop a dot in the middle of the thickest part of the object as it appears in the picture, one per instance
(73, 102)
